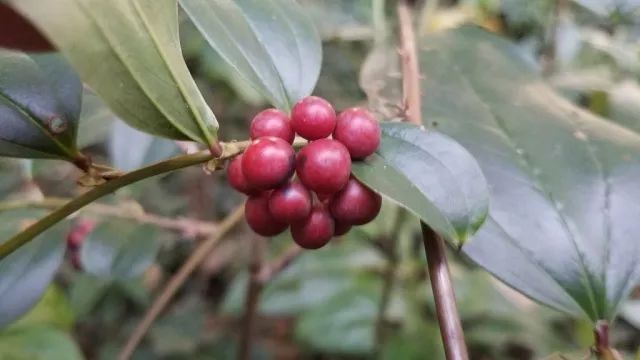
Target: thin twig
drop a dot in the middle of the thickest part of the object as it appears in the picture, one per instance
(130, 210)
(195, 259)
(448, 317)
(410, 68)
(252, 298)
(260, 275)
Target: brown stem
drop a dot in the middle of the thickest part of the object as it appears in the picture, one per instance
(410, 68)
(254, 288)
(195, 259)
(448, 318)
(443, 293)
(387, 287)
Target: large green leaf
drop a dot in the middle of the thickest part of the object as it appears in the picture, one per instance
(38, 343)
(128, 51)
(39, 106)
(272, 44)
(27, 272)
(564, 197)
(432, 176)
(119, 250)
(96, 120)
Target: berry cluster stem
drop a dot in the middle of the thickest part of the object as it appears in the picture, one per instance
(448, 317)
(179, 162)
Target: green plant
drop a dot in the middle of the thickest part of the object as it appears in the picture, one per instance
(474, 144)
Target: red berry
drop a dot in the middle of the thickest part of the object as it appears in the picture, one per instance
(79, 232)
(358, 131)
(260, 220)
(324, 166)
(290, 203)
(236, 177)
(272, 122)
(313, 118)
(355, 204)
(268, 162)
(341, 228)
(314, 232)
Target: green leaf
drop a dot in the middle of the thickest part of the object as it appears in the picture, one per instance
(432, 176)
(128, 52)
(26, 273)
(39, 106)
(343, 324)
(96, 120)
(119, 250)
(38, 343)
(624, 105)
(564, 197)
(272, 44)
(52, 310)
(130, 149)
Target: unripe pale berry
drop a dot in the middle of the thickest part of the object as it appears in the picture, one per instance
(313, 118)
(315, 231)
(260, 220)
(272, 122)
(358, 131)
(290, 203)
(355, 204)
(324, 166)
(236, 178)
(268, 162)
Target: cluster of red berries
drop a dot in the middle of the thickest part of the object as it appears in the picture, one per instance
(325, 200)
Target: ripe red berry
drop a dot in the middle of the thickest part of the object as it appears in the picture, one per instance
(313, 118)
(236, 177)
(315, 231)
(260, 220)
(79, 232)
(341, 228)
(290, 203)
(272, 122)
(324, 166)
(268, 162)
(358, 131)
(355, 204)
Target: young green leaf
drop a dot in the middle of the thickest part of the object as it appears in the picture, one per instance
(564, 197)
(432, 176)
(26, 273)
(272, 44)
(119, 250)
(39, 106)
(128, 51)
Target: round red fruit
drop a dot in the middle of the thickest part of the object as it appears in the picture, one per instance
(341, 228)
(260, 220)
(313, 118)
(324, 166)
(355, 204)
(358, 131)
(315, 231)
(79, 232)
(268, 163)
(290, 203)
(236, 177)
(272, 122)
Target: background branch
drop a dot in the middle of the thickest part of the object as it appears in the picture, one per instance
(169, 291)
(129, 210)
(448, 317)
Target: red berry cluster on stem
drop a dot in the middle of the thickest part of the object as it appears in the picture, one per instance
(325, 200)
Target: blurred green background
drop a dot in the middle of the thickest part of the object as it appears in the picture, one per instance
(326, 305)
